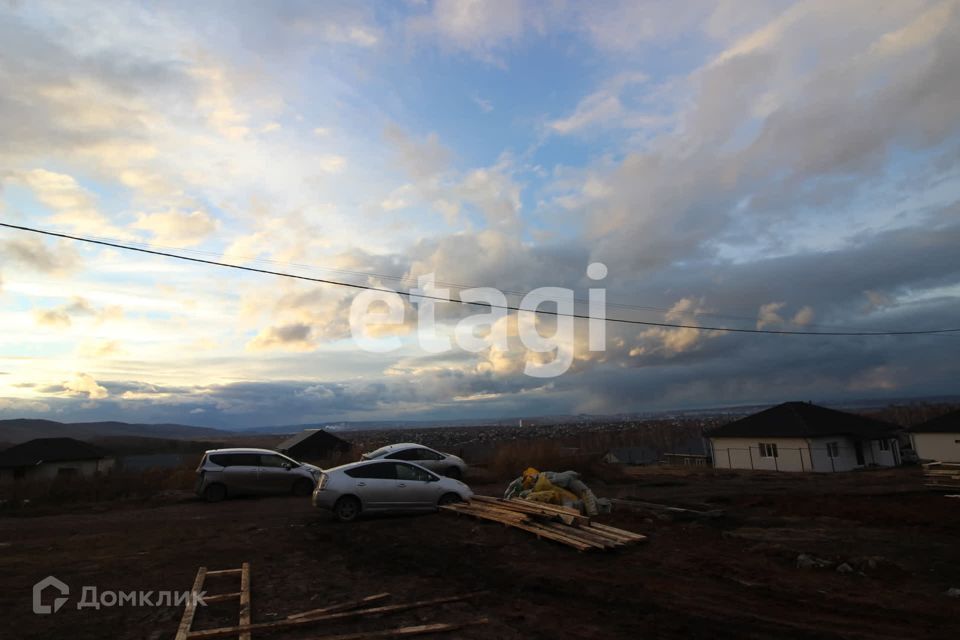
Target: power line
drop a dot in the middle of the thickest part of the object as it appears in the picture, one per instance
(409, 278)
(545, 312)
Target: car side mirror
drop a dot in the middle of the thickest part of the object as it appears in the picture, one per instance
(287, 466)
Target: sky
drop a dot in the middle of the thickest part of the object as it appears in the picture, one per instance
(733, 163)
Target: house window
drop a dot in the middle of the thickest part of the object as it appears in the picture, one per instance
(768, 450)
(884, 445)
(833, 449)
(67, 472)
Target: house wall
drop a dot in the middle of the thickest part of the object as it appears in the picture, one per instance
(793, 454)
(49, 470)
(845, 460)
(888, 458)
(800, 454)
(943, 447)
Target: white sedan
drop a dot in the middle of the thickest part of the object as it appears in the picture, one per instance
(443, 463)
(384, 485)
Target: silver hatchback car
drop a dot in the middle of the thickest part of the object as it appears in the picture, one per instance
(445, 464)
(232, 472)
(384, 485)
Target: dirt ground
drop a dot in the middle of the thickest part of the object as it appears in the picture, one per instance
(733, 576)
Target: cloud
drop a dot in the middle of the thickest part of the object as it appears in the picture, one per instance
(294, 337)
(99, 349)
(421, 159)
(63, 315)
(768, 316)
(483, 104)
(804, 316)
(605, 109)
(45, 257)
(83, 383)
(178, 228)
(482, 29)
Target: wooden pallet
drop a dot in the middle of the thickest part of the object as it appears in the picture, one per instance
(551, 522)
(334, 613)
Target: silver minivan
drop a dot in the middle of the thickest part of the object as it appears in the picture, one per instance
(233, 472)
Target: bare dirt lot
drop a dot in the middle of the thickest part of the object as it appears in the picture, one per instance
(733, 576)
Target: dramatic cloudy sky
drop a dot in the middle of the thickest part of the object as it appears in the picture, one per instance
(736, 163)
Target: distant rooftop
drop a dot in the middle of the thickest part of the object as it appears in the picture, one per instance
(34, 452)
(947, 423)
(803, 420)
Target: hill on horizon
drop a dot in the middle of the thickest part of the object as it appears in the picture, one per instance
(17, 430)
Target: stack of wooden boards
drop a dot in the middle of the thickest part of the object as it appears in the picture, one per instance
(942, 475)
(560, 524)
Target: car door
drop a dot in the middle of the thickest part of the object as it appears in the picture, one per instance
(274, 474)
(416, 488)
(429, 459)
(240, 473)
(375, 484)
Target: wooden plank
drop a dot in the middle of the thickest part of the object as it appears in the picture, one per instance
(220, 597)
(638, 537)
(530, 504)
(524, 525)
(506, 514)
(222, 632)
(540, 532)
(190, 609)
(613, 536)
(486, 515)
(943, 486)
(406, 632)
(534, 508)
(582, 533)
(344, 606)
(245, 599)
(556, 508)
(224, 572)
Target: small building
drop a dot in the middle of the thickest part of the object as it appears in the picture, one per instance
(630, 455)
(313, 444)
(686, 459)
(938, 439)
(49, 458)
(800, 436)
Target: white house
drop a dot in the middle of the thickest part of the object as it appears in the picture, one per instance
(49, 458)
(938, 439)
(800, 436)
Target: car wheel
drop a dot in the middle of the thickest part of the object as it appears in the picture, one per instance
(346, 509)
(448, 498)
(453, 472)
(302, 487)
(214, 493)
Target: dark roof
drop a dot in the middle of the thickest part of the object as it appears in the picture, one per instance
(40, 450)
(947, 423)
(803, 420)
(307, 434)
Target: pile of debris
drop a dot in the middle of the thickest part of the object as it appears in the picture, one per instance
(560, 488)
(560, 524)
